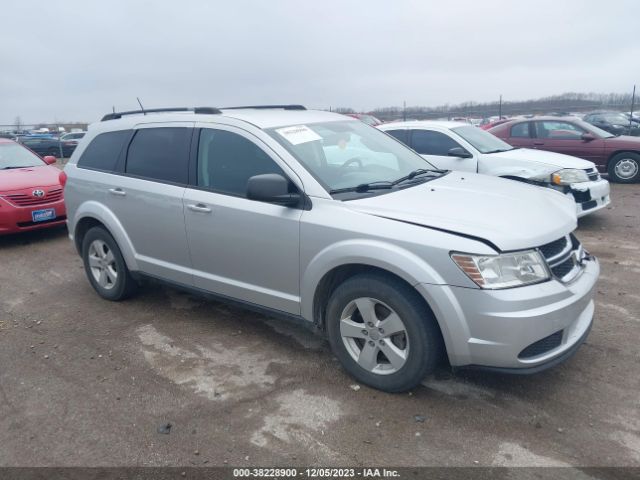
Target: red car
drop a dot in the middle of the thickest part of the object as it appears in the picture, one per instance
(31, 194)
(495, 123)
(366, 118)
(617, 155)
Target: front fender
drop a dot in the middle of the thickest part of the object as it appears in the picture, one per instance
(97, 211)
(394, 259)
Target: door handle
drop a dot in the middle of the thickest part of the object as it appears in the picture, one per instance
(538, 143)
(199, 207)
(117, 191)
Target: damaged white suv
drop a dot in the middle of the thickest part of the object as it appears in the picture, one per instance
(320, 218)
(463, 147)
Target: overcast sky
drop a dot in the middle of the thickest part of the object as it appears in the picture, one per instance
(72, 60)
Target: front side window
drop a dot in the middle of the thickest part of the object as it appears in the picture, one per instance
(227, 160)
(160, 154)
(556, 130)
(348, 154)
(103, 151)
(428, 142)
(520, 130)
(13, 155)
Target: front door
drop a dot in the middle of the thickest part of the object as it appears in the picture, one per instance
(565, 137)
(240, 248)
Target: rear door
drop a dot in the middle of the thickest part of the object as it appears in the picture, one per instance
(566, 137)
(240, 248)
(434, 146)
(147, 198)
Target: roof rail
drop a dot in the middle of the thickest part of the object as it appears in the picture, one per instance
(267, 107)
(197, 110)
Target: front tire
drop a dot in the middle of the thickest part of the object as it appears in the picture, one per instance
(624, 167)
(105, 266)
(382, 332)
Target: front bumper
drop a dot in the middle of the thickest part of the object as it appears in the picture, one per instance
(492, 328)
(16, 219)
(590, 196)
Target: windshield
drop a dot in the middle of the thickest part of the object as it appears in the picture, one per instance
(616, 118)
(483, 141)
(593, 129)
(13, 155)
(348, 154)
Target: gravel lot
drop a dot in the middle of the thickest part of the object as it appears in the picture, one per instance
(88, 382)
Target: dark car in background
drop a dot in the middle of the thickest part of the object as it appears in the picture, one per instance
(614, 122)
(49, 146)
(619, 156)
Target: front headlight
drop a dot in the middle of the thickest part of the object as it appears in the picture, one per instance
(568, 176)
(505, 270)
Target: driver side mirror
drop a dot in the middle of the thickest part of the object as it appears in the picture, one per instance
(587, 137)
(459, 152)
(272, 188)
(49, 159)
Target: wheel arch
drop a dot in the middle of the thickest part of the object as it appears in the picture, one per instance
(92, 214)
(617, 152)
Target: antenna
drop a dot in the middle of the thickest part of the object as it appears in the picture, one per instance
(141, 107)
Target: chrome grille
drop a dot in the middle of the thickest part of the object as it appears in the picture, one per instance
(24, 200)
(564, 257)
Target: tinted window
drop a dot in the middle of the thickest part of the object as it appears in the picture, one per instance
(103, 151)
(227, 160)
(427, 142)
(401, 135)
(520, 130)
(160, 154)
(554, 130)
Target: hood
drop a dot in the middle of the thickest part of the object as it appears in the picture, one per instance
(553, 161)
(624, 141)
(28, 177)
(511, 215)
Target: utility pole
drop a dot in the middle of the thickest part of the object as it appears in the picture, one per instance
(404, 111)
(500, 108)
(633, 101)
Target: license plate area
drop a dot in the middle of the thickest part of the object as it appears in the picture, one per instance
(43, 215)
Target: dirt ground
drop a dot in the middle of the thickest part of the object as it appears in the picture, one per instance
(87, 382)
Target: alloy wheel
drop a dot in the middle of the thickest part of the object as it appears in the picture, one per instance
(374, 335)
(103, 264)
(626, 168)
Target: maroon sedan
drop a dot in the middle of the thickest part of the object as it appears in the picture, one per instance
(617, 155)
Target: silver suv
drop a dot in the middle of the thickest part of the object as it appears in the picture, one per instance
(318, 217)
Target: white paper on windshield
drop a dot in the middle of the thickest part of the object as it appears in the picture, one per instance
(298, 134)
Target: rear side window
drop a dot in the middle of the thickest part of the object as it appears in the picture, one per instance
(160, 154)
(227, 160)
(520, 130)
(427, 142)
(103, 151)
(402, 135)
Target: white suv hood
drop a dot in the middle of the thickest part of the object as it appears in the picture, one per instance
(509, 214)
(555, 161)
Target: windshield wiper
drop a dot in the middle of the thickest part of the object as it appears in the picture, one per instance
(365, 187)
(11, 167)
(415, 173)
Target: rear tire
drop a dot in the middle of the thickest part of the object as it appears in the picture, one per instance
(105, 266)
(624, 167)
(402, 343)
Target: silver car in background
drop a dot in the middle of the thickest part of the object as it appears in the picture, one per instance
(317, 217)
